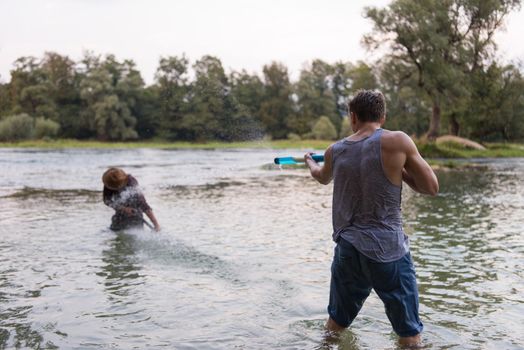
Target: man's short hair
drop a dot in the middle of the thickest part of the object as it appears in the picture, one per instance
(368, 105)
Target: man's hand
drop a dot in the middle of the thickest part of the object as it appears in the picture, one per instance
(323, 174)
(153, 219)
(307, 158)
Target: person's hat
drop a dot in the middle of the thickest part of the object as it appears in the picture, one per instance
(114, 179)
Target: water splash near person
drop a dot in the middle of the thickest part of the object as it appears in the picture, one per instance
(123, 194)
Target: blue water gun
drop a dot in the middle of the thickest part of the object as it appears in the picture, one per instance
(295, 160)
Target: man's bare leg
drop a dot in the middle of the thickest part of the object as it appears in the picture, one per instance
(332, 334)
(413, 342)
(333, 326)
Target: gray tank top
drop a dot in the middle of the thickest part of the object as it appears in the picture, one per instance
(366, 205)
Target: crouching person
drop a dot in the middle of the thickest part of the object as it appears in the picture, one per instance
(121, 192)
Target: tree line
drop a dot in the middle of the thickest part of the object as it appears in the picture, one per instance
(439, 72)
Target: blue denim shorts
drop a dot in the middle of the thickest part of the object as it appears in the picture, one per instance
(353, 275)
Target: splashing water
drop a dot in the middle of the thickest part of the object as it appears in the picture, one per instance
(127, 194)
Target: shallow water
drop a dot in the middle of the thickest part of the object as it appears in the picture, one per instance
(243, 259)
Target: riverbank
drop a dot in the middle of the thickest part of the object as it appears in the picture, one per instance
(427, 149)
(159, 144)
(453, 150)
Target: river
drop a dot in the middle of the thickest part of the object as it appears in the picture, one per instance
(244, 256)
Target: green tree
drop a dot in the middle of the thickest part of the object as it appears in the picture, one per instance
(47, 88)
(277, 105)
(248, 90)
(323, 129)
(45, 128)
(315, 97)
(63, 84)
(16, 127)
(30, 89)
(247, 94)
(407, 106)
(173, 93)
(109, 90)
(215, 112)
(440, 42)
(149, 114)
(341, 86)
(5, 100)
(362, 77)
(208, 101)
(496, 109)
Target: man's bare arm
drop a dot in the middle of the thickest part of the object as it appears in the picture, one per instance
(409, 180)
(153, 219)
(417, 173)
(321, 173)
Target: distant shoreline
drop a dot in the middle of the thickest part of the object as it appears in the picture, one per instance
(161, 144)
(428, 150)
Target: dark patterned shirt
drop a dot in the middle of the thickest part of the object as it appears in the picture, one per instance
(131, 197)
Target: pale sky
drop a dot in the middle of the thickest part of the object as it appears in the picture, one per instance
(244, 34)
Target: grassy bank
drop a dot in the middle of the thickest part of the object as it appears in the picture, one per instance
(453, 150)
(428, 150)
(62, 144)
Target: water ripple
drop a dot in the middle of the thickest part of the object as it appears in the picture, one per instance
(243, 259)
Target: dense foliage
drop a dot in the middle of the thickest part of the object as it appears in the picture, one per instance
(440, 64)
(442, 53)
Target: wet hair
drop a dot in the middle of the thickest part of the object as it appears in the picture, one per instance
(368, 105)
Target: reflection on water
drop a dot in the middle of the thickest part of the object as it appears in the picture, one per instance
(120, 268)
(468, 243)
(30, 193)
(16, 330)
(244, 257)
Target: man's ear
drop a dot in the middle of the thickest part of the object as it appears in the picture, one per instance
(382, 120)
(353, 117)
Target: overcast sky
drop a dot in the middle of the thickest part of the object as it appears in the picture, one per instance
(242, 33)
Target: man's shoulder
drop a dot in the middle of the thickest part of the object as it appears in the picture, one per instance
(394, 134)
(394, 139)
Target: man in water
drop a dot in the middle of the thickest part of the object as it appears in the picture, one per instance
(121, 192)
(372, 249)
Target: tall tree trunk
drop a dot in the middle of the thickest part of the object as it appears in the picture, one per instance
(454, 126)
(434, 124)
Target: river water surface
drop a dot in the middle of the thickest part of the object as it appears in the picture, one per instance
(244, 256)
